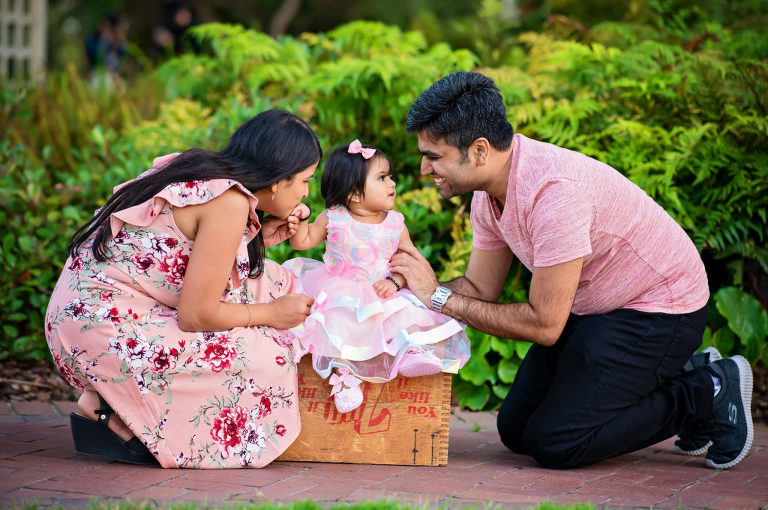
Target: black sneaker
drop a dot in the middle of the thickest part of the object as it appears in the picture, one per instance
(732, 431)
(695, 438)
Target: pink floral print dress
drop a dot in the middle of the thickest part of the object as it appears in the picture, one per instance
(221, 399)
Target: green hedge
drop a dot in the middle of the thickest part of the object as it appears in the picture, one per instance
(687, 125)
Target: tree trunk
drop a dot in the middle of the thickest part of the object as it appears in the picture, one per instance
(283, 17)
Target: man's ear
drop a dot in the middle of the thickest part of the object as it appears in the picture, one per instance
(481, 150)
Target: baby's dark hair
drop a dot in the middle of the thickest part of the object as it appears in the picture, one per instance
(345, 173)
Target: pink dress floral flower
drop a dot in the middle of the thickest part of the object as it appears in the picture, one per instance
(221, 399)
(350, 326)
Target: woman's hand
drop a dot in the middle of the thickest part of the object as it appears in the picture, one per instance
(290, 310)
(275, 231)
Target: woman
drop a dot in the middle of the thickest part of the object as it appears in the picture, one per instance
(168, 313)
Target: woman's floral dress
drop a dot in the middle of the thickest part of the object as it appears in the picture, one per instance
(217, 399)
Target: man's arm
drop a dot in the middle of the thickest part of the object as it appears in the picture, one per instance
(485, 276)
(541, 320)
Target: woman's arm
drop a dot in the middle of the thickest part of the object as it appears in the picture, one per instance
(218, 230)
(308, 235)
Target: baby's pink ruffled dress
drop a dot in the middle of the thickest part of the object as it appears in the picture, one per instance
(350, 327)
(220, 399)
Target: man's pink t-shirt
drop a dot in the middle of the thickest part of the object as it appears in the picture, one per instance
(562, 205)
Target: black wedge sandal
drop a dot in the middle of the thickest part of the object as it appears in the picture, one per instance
(94, 438)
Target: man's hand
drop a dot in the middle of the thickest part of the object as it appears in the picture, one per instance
(418, 274)
(275, 231)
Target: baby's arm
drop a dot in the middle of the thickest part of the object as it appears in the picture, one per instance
(386, 287)
(308, 235)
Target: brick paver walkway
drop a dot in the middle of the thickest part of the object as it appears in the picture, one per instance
(37, 462)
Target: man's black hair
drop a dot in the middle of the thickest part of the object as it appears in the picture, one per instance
(460, 108)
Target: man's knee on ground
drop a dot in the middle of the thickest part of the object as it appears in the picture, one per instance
(510, 433)
(542, 444)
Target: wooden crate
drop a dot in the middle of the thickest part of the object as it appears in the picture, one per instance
(404, 421)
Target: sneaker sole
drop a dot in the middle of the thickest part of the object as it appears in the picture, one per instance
(714, 354)
(693, 453)
(745, 386)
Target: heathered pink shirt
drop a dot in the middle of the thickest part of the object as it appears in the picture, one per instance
(562, 205)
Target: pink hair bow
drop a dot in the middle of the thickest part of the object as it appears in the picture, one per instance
(357, 148)
(343, 379)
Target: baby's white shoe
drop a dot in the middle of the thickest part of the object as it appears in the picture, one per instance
(346, 390)
(419, 361)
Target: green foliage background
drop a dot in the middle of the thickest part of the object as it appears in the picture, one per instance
(676, 101)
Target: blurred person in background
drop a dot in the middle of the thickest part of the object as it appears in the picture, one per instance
(105, 47)
(169, 37)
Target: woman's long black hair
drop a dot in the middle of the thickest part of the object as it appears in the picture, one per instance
(272, 146)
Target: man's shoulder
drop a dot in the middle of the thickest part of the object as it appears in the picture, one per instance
(540, 165)
(480, 202)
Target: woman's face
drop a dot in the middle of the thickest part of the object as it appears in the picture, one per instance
(289, 193)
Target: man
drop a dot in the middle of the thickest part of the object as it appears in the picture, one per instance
(617, 301)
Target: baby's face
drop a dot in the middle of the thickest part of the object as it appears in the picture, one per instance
(379, 187)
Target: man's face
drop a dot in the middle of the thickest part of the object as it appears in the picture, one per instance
(451, 170)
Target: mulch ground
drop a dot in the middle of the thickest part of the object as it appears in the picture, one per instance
(39, 380)
(33, 380)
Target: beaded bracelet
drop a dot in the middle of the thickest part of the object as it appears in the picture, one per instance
(391, 279)
(308, 215)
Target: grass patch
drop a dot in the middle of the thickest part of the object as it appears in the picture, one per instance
(298, 505)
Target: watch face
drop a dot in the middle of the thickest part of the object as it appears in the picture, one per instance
(440, 297)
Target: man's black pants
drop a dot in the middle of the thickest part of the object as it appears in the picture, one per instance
(610, 385)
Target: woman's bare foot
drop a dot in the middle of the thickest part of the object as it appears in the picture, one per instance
(89, 402)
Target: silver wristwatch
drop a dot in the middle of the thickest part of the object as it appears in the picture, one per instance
(439, 298)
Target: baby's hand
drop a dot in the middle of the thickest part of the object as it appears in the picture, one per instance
(301, 212)
(384, 288)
